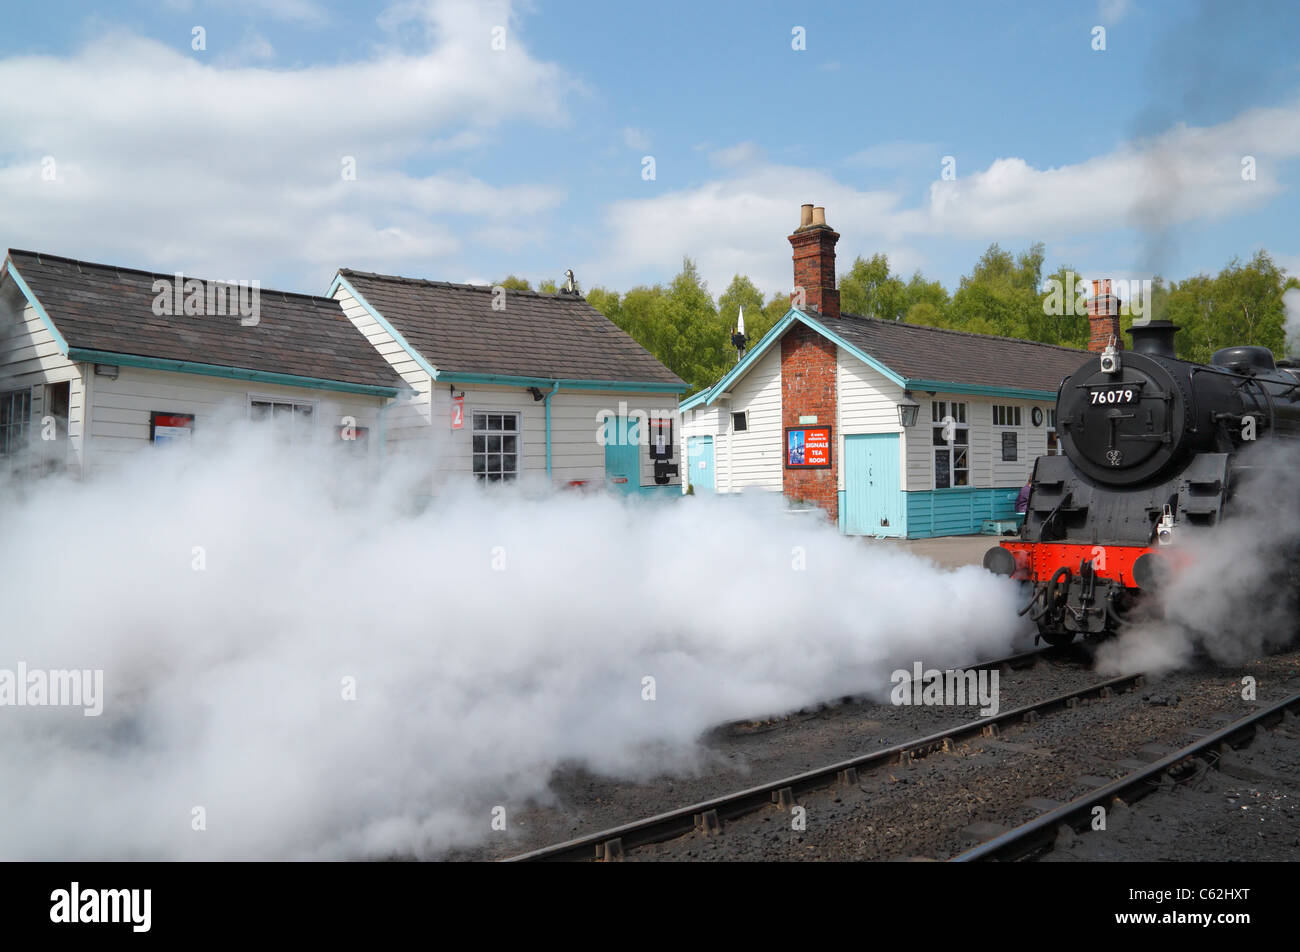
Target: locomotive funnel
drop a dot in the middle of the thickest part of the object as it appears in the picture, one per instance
(1155, 338)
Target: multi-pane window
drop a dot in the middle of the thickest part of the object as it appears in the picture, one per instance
(1006, 416)
(496, 446)
(15, 417)
(952, 444)
(290, 422)
(1053, 445)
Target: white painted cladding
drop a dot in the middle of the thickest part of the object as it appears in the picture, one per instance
(120, 408)
(867, 402)
(751, 458)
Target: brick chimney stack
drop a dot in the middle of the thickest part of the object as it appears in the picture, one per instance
(1103, 317)
(814, 262)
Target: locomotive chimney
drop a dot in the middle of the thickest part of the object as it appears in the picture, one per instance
(1103, 317)
(814, 262)
(1154, 337)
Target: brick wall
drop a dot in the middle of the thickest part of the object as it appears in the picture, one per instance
(814, 269)
(808, 387)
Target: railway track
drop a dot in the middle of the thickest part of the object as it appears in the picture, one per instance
(710, 816)
(1015, 662)
(1037, 836)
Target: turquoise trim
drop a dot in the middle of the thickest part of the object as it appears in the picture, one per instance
(342, 282)
(37, 307)
(710, 394)
(231, 373)
(949, 387)
(959, 511)
(547, 402)
(852, 349)
(567, 383)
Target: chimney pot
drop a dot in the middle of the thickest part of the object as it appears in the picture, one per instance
(813, 243)
(1103, 317)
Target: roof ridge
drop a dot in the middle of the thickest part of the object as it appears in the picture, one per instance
(952, 330)
(460, 286)
(42, 257)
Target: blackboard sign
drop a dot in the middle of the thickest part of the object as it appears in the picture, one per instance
(942, 476)
(1009, 447)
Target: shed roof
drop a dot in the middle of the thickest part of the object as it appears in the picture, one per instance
(101, 307)
(932, 358)
(544, 336)
(918, 352)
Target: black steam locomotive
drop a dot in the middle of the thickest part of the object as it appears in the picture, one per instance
(1153, 444)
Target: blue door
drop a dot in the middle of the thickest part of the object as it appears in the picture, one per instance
(699, 457)
(873, 504)
(622, 456)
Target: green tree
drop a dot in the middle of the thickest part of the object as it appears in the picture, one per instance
(512, 283)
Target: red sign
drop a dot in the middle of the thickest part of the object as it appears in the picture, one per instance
(807, 447)
(458, 412)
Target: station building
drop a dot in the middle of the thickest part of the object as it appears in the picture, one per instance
(894, 429)
(98, 360)
(487, 384)
(505, 383)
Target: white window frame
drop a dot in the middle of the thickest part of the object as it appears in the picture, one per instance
(960, 412)
(1008, 413)
(288, 401)
(1052, 434)
(517, 433)
(744, 414)
(14, 435)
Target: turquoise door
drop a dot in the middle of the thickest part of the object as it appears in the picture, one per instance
(699, 457)
(622, 456)
(873, 504)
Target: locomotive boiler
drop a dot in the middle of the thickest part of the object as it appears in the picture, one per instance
(1153, 447)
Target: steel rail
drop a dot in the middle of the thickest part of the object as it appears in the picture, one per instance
(1040, 833)
(709, 815)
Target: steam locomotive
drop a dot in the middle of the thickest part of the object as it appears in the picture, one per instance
(1153, 445)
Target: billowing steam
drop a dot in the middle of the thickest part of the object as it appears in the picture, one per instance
(1235, 593)
(235, 597)
(1291, 300)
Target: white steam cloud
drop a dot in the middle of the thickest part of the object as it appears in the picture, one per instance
(1291, 299)
(491, 636)
(1234, 595)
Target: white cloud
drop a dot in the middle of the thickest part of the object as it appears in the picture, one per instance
(164, 160)
(1183, 175)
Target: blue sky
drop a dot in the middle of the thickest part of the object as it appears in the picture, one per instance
(473, 162)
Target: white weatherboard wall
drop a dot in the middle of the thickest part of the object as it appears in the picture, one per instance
(750, 459)
(867, 402)
(409, 418)
(576, 450)
(30, 359)
(120, 408)
(987, 470)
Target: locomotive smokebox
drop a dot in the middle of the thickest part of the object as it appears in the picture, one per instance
(1154, 337)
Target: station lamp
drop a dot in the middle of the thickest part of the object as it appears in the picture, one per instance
(908, 409)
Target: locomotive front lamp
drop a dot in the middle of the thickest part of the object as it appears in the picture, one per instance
(907, 409)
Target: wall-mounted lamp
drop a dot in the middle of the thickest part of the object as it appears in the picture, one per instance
(537, 393)
(908, 409)
(106, 370)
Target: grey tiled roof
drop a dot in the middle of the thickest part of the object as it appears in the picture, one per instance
(103, 307)
(918, 352)
(550, 336)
